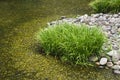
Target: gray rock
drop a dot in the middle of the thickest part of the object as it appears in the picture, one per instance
(96, 15)
(116, 71)
(115, 57)
(115, 47)
(117, 63)
(103, 61)
(117, 67)
(109, 64)
(117, 25)
(118, 30)
(111, 53)
(115, 15)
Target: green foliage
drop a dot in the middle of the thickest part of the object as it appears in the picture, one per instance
(71, 43)
(106, 6)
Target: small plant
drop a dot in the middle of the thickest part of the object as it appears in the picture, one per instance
(71, 43)
(106, 6)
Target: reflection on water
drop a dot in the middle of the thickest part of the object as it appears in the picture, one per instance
(19, 21)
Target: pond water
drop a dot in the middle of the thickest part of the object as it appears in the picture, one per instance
(19, 22)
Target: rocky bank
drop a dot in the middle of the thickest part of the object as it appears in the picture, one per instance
(110, 24)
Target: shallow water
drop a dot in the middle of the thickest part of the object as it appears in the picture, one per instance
(19, 22)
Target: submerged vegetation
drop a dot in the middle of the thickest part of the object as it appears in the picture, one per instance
(19, 21)
(106, 6)
(71, 43)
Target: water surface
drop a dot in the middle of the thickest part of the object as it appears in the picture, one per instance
(19, 22)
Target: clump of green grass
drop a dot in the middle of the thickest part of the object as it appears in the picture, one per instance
(71, 43)
(106, 6)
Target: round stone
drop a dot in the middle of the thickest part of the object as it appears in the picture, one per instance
(103, 61)
(109, 64)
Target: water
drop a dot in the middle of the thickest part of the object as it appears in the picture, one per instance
(19, 22)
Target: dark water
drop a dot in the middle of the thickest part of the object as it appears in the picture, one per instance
(19, 22)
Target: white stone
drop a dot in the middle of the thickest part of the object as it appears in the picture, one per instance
(116, 67)
(117, 63)
(111, 53)
(116, 71)
(103, 61)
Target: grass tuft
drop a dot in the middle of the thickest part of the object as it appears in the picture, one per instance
(71, 43)
(106, 6)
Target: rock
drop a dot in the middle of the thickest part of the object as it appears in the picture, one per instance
(117, 63)
(117, 25)
(116, 71)
(109, 64)
(118, 30)
(117, 67)
(96, 15)
(93, 58)
(113, 31)
(97, 63)
(115, 15)
(111, 53)
(101, 14)
(115, 57)
(63, 17)
(103, 61)
(106, 67)
(101, 67)
(115, 47)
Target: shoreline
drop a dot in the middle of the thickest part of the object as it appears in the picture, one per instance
(110, 24)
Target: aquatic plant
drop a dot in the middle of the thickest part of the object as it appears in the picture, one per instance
(106, 6)
(71, 43)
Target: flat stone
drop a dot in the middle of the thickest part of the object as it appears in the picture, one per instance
(109, 64)
(111, 53)
(117, 67)
(103, 61)
(116, 71)
(115, 47)
(101, 67)
(115, 57)
(117, 63)
(115, 15)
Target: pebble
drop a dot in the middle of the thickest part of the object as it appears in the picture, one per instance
(109, 64)
(101, 67)
(117, 63)
(111, 53)
(116, 71)
(97, 63)
(103, 61)
(116, 67)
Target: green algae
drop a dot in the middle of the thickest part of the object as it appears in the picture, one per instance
(19, 22)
